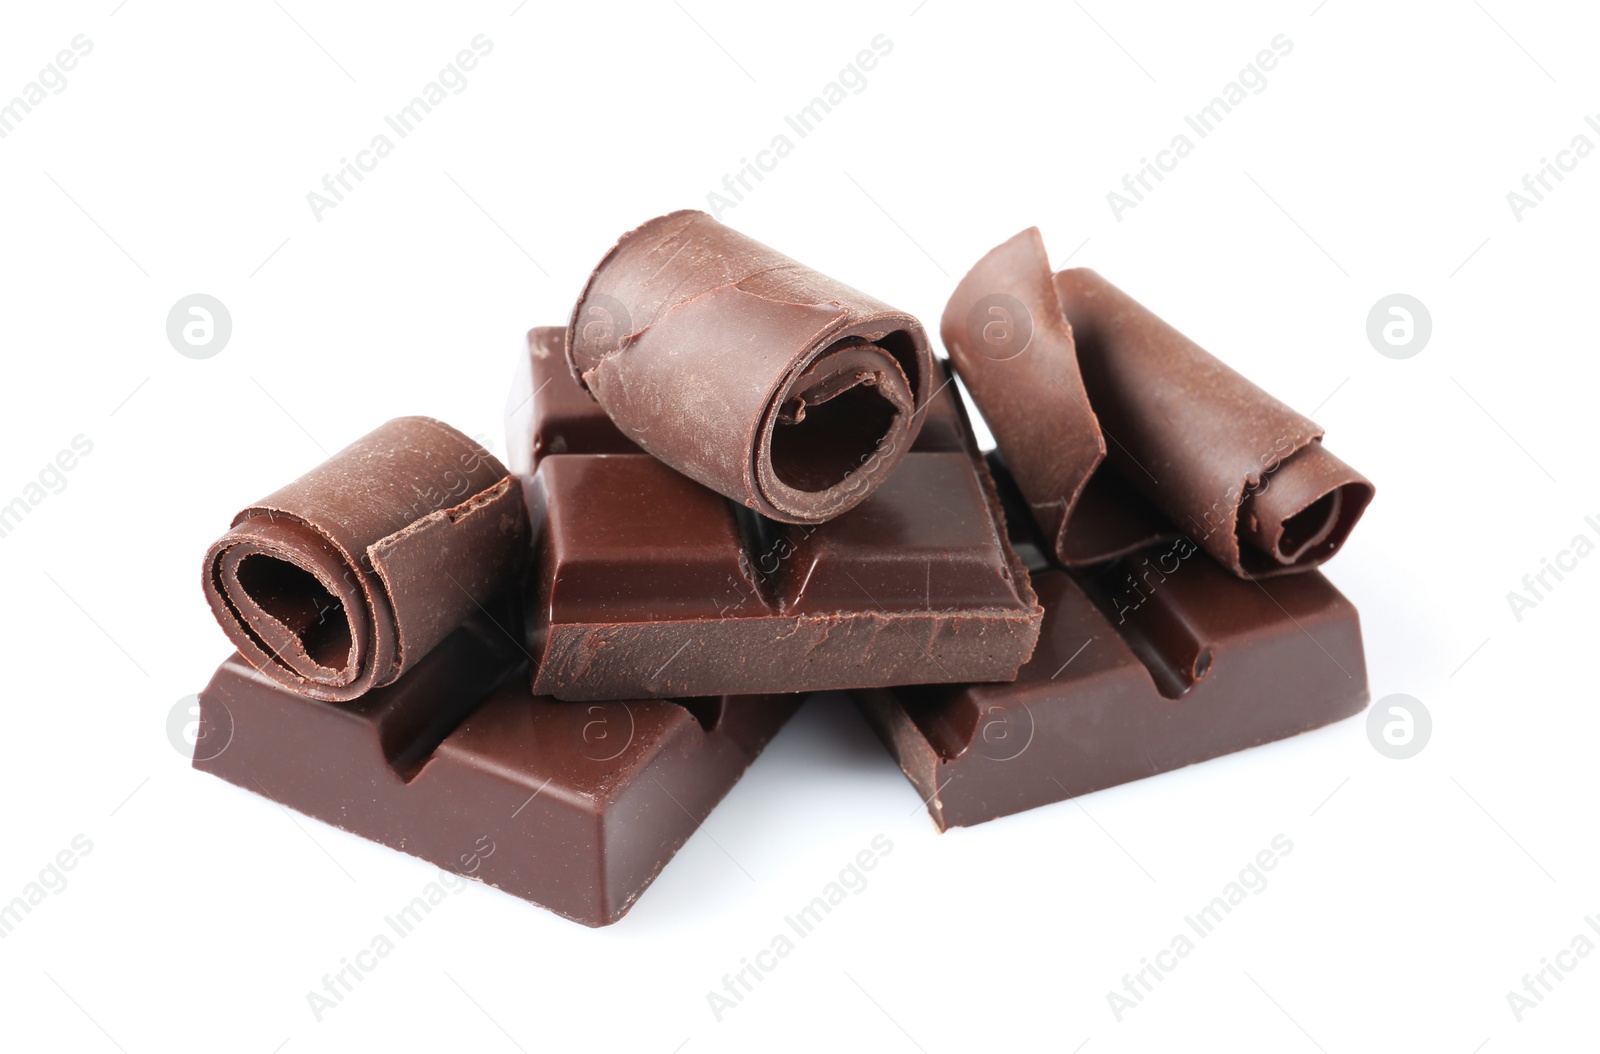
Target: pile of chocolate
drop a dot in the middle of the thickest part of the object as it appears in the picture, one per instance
(735, 481)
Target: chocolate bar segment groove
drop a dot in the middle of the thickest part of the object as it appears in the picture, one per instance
(764, 380)
(575, 808)
(1202, 447)
(1144, 665)
(646, 583)
(977, 752)
(342, 580)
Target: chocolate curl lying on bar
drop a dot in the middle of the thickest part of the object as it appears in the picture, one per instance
(769, 383)
(1093, 400)
(341, 581)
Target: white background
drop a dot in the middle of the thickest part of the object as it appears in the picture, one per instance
(1377, 160)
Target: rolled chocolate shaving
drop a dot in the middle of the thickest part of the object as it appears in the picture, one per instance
(339, 582)
(1012, 346)
(1305, 505)
(1210, 454)
(773, 385)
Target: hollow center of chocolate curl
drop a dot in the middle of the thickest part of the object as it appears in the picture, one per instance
(301, 604)
(823, 443)
(1309, 527)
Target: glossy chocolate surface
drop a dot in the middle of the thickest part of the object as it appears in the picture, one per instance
(647, 583)
(1144, 665)
(576, 808)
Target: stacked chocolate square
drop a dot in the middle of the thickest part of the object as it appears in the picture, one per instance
(735, 481)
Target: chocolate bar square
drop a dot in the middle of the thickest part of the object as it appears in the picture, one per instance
(646, 583)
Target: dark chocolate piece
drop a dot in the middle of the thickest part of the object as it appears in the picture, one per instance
(576, 808)
(1144, 665)
(341, 581)
(773, 385)
(1231, 466)
(648, 584)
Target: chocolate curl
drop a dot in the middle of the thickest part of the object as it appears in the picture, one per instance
(1190, 446)
(339, 582)
(764, 380)
(1012, 345)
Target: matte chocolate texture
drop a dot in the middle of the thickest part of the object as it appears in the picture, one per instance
(1143, 666)
(344, 579)
(1117, 426)
(645, 583)
(575, 808)
(769, 383)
